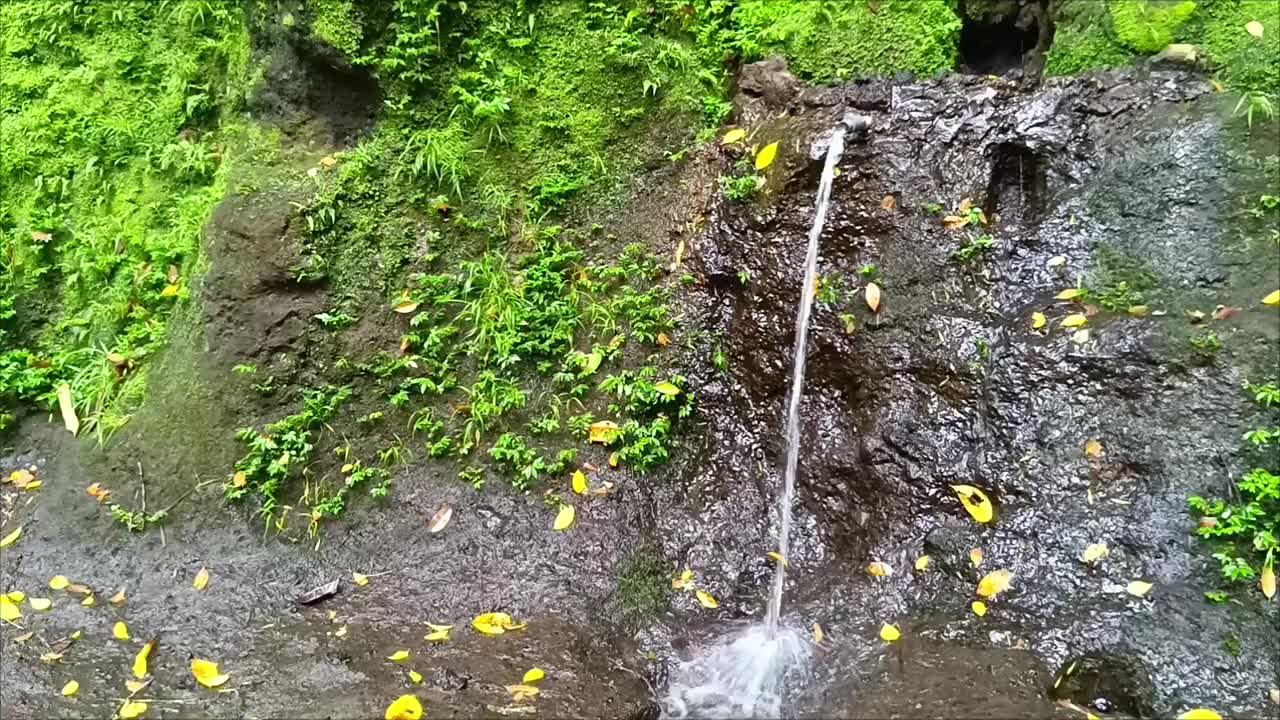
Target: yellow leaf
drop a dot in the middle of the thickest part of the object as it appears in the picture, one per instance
(1138, 311)
(579, 482)
(41, 604)
(777, 557)
(1254, 28)
(206, 673)
(873, 297)
(564, 518)
(11, 538)
(975, 501)
(405, 307)
(613, 460)
(118, 598)
(359, 579)
(140, 660)
(120, 631)
(765, 158)
(415, 677)
(817, 634)
(1138, 588)
(922, 563)
(1037, 320)
(975, 557)
(51, 657)
(879, 569)
(1268, 581)
(1095, 552)
(979, 608)
(1200, 714)
(1068, 294)
(889, 633)
(440, 519)
(706, 599)
(89, 601)
(733, 136)
(134, 686)
(603, 432)
(71, 688)
(202, 579)
(494, 623)
(994, 583)
(17, 596)
(1272, 298)
(533, 676)
(67, 406)
(663, 339)
(399, 656)
(131, 709)
(9, 612)
(438, 628)
(170, 290)
(684, 581)
(1092, 448)
(1074, 321)
(668, 389)
(76, 635)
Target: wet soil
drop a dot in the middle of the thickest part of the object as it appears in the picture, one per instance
(1147, 166)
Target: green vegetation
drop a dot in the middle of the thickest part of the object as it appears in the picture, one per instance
(1244, 530)
(644, 590)
(1092, 35)
(974, 247)
(1118, 280)
(119, 123)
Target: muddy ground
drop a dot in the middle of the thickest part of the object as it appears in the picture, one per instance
(1147, 165)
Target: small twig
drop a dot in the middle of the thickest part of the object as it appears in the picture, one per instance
(186, 495)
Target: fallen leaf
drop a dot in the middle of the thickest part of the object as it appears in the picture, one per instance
(120, 631)
(89, 601)
(16, 596)
(1080, 337)
(603, 432)
(97, 492)
(976, 502)
(118, 599)
(1074, 321)
(817, 634)
(140, 660)
(1272, 298)
(11, 538)
(1094, 552)
(21, 478)
(777, 557)
(134, 686)
(79, 589)
(51, 657)
(1138, 588)
(975, 557)
(41, 604)
(564, 518)
(613, 460)
(889, 633)
(520, 693)
(399, 656)
(873, 297)
(201, 580)
(1092, 448)
(879, 569)
(1056, 261)
(532, 676)
(889, 202)
(965, 206)
(733, 136)
(71, 688)
(1268, 581)
(1068, 294)
(239, 479)
(1138, 311)
(415, 677)
(131, 709)
(24, 637)
(359, 579)
(9, 611)
(922, 563)
(663, 339)
(404, 307)
(1193, 316)
(668, 389)
(495, 623)
(206, 673)
(954, 222)
(41, 236)
(75, 635)
(1223, 312)
(1038, 320)
(439, 633)
(684, 581)
(706, 599)
(340, 632)
(67, 407)
(765, 158)
(1254, 28)
(1200, 714)
(440, 519)
(994, 583)
(979, 608)
(1275, 695)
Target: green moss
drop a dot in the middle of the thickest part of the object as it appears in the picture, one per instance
(118, 119)
(1240, 60)
(1148, 26)
(336, 22)
(644, 590)
(823, 41)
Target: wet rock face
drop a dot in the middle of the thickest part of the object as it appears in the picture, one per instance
(947, 384)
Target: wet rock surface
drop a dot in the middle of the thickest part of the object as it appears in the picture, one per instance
(946, 384)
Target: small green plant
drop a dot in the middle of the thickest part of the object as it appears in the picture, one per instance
(830, 289)
(974, 247)
(932, 208)
(1216, 596)
(868, 271)
(244, 369)
(336, 320)
(850, 323)
(744, 277)
(720, 360)
(473, 476)
(739, 189)
(1205, 345)
(1254, 102)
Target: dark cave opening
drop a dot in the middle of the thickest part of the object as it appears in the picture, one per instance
(1004, 35)
(1017, 186)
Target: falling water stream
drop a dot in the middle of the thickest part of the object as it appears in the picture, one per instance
(746, 674)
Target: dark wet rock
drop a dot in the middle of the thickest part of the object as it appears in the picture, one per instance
(319, 593)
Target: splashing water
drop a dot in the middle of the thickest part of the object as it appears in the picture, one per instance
(746, 675)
